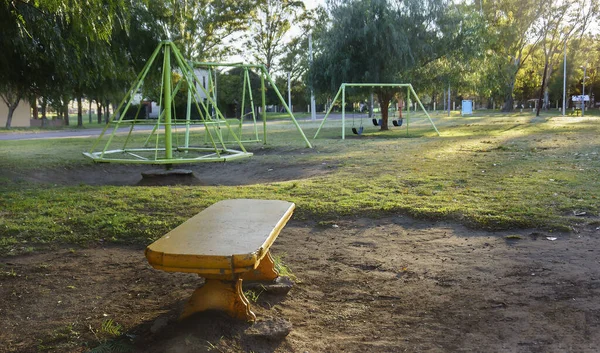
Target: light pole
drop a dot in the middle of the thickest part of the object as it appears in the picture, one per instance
(583, 90)
(313, 113)
(564, 107)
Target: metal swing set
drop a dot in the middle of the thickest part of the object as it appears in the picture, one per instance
(342, 91)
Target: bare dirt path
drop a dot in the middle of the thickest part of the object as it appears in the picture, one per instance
(364, 285)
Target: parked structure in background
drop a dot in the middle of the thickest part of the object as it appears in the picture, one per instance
(466, 107)
(21, 116)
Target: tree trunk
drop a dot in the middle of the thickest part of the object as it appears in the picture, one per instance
(66, 112)
(44, 109)
(509, 101)
(539, 106)
(79, 112)
(546, 93)
(444, 100)
(106, 112)
(9, 117)
(89, 110)
(384, 102)
(12, 100)
(99, 111)
(36, 113)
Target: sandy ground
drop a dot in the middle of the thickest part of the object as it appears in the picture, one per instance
(390, 285)
(363, 285)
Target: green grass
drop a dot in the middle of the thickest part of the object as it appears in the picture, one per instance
(492, 171)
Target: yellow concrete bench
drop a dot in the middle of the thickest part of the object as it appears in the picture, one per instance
(225, 243)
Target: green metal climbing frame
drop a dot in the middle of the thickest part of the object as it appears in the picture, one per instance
(171, 140)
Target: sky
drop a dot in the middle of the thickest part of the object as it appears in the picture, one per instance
(311, 4)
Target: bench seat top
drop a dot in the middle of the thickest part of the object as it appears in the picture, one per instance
(230, 236)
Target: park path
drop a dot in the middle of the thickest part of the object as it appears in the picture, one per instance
(86, 133)
(58, 134)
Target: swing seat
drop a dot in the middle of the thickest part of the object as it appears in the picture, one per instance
(375, 122)
(357, 132)
(397, 122)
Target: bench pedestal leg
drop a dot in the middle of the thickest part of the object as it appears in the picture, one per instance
(220, 295)
(264, 272)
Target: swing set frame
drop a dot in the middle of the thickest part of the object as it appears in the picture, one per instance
(342, 91)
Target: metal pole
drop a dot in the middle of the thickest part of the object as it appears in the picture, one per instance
(188, 113)
(328, 111)
(290, 91)
(313, 106)
(343, 111)
(564, 107)
(407, 108)
(251, 102)
(448, 100)
(264, 106)
(167, 103)
(583, 92)
(215, 89)
(274, 86)
(243, 106)
(422, 107)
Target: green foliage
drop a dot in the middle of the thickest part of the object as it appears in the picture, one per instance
(111, 328)
(379, 41)
(63, 50)
(198, 28)
(282, 268)
(112, 346)
(253, 294)
(110, 338)
(270, 23)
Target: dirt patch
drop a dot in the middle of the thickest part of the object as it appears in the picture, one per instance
(244, 172)
(390, 285)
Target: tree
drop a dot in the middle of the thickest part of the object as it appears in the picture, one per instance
(36, 56)
(559, 21)
(294, 59)
(199, 27)
(270, 23)
(513, 36)
(383, 41)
